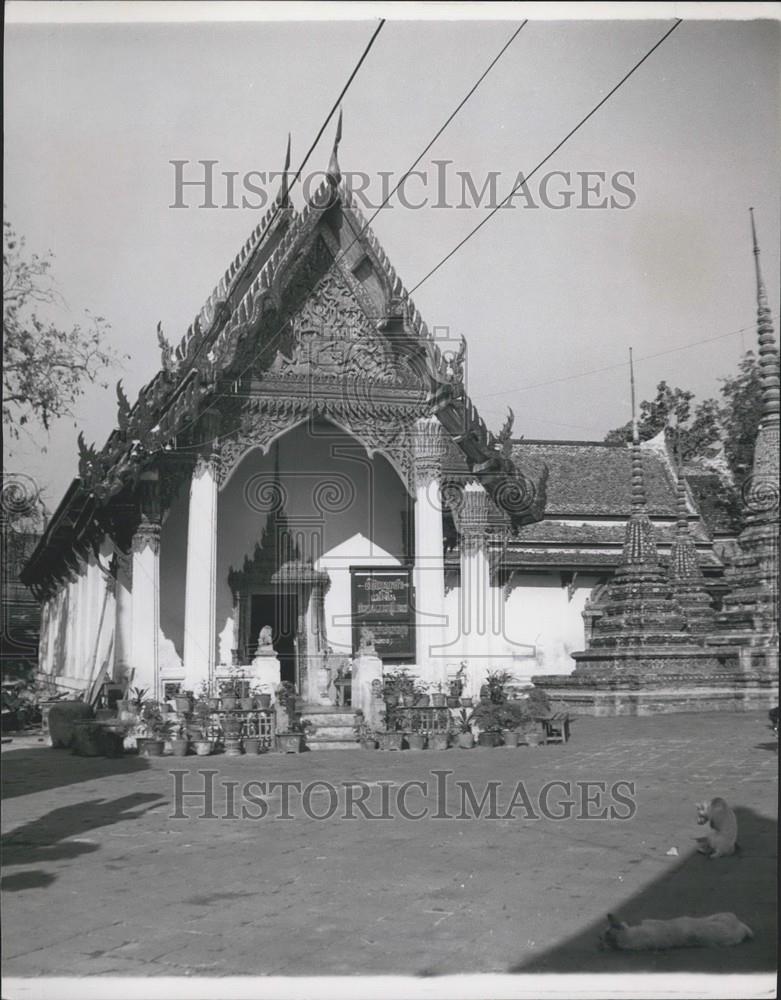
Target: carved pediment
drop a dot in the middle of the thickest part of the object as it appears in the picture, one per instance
(333, 338)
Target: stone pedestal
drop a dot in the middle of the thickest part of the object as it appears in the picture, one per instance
(266, 673)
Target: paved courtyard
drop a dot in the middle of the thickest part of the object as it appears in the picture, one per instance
(99, 879)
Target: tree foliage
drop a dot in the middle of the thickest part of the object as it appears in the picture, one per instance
(45, 367)
(728, 424)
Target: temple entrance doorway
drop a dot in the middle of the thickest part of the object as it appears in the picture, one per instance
(280, 611)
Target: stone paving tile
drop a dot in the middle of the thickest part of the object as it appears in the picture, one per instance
(115, 886)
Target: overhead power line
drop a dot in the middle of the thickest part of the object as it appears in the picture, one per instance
(311, 149)
(542, 162)
(357, 235)
(620, 364)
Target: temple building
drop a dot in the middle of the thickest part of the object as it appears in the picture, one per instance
(306, 478)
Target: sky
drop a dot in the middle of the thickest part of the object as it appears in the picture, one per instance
(94, 113)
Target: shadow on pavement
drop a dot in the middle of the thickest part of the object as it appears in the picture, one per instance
(47, 839)
(744, 884)
(26, 880)
(39, 769)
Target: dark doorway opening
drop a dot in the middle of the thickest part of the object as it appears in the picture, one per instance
(280, 611)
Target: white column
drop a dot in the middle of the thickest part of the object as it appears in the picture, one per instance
(123, 622)
(145, 602)
(476, 612)
(430, 445)
(200, 586)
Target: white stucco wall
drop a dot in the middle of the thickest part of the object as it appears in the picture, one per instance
(77, 626)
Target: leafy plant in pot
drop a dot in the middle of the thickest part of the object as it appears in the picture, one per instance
(438, 697)
(180, 743)
(489, 719)
(496, 681)
(261, 698)
(464, 732)
(364, 733)
(292, 741)
(183, 702)
(152, 730)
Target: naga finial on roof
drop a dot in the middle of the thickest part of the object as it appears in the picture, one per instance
(166, 351)
(123, 408)
(283, 190)
(334, 172)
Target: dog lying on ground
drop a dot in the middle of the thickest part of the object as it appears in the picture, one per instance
(719, 930)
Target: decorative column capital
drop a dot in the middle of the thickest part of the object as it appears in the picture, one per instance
(478, 519)
(429, 447)
(147, 534)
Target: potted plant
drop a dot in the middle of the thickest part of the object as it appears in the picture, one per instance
(422, 699)
(180, 743)
(496, 681)
(228, 696)
(416, 741)
(292, 741)
(465, 734)
(261, 698)
(251, 738)
(438, 697)
(364, 733)
(391, 738)
(489, 720)
(438, 741)
(183, 702)
(232, 724)
(152, 730)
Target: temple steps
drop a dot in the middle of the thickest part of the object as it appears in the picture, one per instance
(333, 727)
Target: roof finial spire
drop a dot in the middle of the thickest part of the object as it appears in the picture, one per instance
(768, 356)
(283, 191)
(639, 545)
(334, 173)
(638, 482)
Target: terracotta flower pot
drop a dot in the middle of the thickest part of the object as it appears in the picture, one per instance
(179, 747)
(264, 701)
(533, 738)
(246, 704)
(251, 744)
(488, 739)
(230, 704)
(183, 705)
(390, 741)
(233, 746)
(510, 738)
(202, 748)
(149, 747)
(438, 741)
(214, 704)
(438, 701)
(453, 702)
(466, 702)
(423, 701)
(416, 741)
(408, 700)
(466, 741)
(289, 742)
